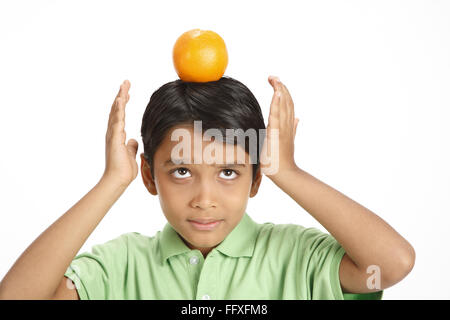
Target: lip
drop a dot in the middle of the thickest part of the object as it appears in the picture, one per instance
(205, 224)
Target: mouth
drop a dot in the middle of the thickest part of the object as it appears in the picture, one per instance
(205, 224)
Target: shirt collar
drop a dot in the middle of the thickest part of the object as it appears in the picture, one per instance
(240, 242)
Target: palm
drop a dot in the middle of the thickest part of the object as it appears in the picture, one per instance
(120, 157)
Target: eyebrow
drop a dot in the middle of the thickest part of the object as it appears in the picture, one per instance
(231, 165)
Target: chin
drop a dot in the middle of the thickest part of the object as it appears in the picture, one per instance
(206, 243)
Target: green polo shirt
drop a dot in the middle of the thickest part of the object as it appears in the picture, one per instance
(255, 261)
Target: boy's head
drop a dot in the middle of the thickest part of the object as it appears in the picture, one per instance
(212, 188)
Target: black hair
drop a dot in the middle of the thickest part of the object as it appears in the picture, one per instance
(222, 104)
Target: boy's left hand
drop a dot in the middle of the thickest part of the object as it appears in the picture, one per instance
(281, 118)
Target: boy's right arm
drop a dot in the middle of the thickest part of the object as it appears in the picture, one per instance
(39, 272)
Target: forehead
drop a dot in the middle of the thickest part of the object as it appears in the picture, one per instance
(183, 144)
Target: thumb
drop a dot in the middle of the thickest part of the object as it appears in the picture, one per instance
(132, 147)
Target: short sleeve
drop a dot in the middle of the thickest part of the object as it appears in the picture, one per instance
(325, 255)
(99, 274)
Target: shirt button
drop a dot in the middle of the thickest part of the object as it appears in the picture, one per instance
(206, 297)
(193, 260)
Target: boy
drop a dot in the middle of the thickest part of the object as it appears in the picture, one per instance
(210, 248)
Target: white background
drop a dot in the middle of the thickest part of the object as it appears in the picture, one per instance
(370, 82)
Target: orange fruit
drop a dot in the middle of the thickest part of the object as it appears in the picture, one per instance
(200, 56)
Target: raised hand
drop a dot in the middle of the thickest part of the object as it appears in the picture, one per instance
(121, 165)
(277, 154)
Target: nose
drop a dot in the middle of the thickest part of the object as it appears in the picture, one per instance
(203, 197)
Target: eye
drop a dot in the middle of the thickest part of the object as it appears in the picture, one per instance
(178, 170)
(229, 175)
(180, 173)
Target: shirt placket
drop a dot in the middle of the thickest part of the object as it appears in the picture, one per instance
(207, 283)
(194, 263)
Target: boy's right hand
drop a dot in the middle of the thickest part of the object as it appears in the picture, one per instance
(121, 166)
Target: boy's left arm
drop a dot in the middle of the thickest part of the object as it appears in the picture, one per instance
(367, 239)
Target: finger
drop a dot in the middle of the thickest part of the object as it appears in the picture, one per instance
(272, 80)
(124, 96)
(116, 128)
(274, 113)
(125, 87)
(115, 114)
(289, 103)
(117, 111)
(111, 113)
(287, 106)
(276, 83)
(282, 104)
(123, 90)
(114, 105)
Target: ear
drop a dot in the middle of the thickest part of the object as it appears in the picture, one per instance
(256, 183)
(147, 178)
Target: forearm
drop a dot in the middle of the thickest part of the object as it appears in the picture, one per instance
(366, 238)
(39, 270)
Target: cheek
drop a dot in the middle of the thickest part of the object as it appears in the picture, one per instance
(170, 195)
(235, 196)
